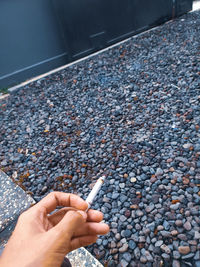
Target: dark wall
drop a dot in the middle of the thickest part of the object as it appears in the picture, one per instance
(40, 35)
(93, 24)
(29, 38)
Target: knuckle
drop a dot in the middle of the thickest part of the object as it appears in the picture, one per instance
(76, 215)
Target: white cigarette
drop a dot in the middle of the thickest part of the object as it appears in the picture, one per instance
(94, 191)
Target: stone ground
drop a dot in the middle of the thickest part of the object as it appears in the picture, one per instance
(133, 113)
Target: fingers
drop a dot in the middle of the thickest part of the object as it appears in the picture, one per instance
(69, 224)
(54, 199)
(92, 216)
(73, 224)
(83, 241)
(57, 216)
(92, 228)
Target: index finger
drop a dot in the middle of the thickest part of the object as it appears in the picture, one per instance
(55, 199)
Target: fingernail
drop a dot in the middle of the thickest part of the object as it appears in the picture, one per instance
(83, 214)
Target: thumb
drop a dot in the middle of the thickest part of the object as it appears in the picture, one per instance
(70, 223)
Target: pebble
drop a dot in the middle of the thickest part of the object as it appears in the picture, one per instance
(124, 248)
(178, 223)
(122, 218)
(166, 225)
(143, 259)
(175, 206)
(197, 264)
(174, 232)
(126, 233)
(151, 226)
(133, 180)
(139, 213)
(148, 256)
(155, 198)
(196, 235)
(122, 198)
(182, 237)
(127, 256)
(156, 250)
(184, 250)
(160, 228)
(176, 255)
(123, 263)
(142, 239)
(131, 244)
(165, 256)
(165, 249)
(137, 253)
(188, 256)
(197, 255)
(122, 185)
(4, 163)
(158, 243)
(112, 244)
(176, 263)
(187, 226)
(165, 233)
(117, 236)
(187, 145)
(149, 208)
(159, 172)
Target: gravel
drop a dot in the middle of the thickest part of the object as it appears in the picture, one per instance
(131, 112)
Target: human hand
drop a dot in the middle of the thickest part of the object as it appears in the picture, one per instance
(43, 239)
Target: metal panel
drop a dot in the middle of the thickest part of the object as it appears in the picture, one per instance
(40, 35)
(93, 24)
(183, 6)
(31, 42)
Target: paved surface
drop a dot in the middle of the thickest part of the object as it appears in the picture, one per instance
(82, 258)
(13, 201)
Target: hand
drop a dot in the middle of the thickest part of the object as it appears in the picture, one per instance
(43, 239)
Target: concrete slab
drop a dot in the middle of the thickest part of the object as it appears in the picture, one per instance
(82, 258)
(13, 201)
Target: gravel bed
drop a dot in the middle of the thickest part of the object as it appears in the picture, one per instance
(133, 113)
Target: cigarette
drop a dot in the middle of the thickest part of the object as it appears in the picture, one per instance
(94, 191)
